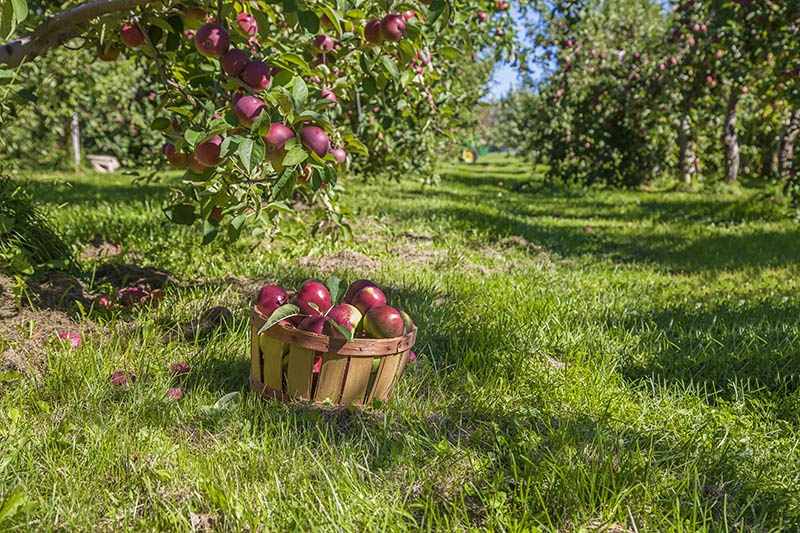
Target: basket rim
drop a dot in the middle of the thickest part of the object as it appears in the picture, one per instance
(323, 343)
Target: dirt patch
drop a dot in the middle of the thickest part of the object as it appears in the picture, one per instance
(515, 241)
(128, 275)
(342, 260)
(99, 248)
(417, 236)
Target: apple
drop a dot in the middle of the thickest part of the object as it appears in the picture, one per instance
(347, 316)
(312, 292)
(412, 357)
(315, 139)
(325, 22)
(313, 324)
(176, 159)
(74, 339)
(131, 36)
(256, 75)
(274, 141)
(247, 25)
(384, 322)
(212, 40)
(247, 109)
(329, 95)
(111, 54)
(177, 369)
(372, 32)
(339, 154)
(393, 27)
(270, 298)
(355, 287)
(194, 165)
(176, 126)
(234, 61)
(407, 15)
(176, 394)
(217, 315)
(322, 43)
(215, 214)
(207, 152)
(131, 295)
(123, 378)
(367, 298)
(193, 17)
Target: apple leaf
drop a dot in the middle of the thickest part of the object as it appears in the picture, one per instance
(336, 287)
(282, 313)
(314, 306)
(14, 504)
(193, 135)
(262, 120)
(181, 214)
(210, 230)
(160, 123)
(333, 17)
(229, 146)
(299, 92)
(20, 9)
(251, 153)
(346, 333)
(308, 21)
(235, 226)
(390, 67)
(284, 185)
(450, 51)
(296, 155)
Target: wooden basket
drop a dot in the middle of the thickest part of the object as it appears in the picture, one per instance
(345, 376)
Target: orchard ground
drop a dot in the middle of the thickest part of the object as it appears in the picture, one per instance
(614, 361)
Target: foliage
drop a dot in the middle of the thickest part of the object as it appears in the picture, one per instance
(420, 101)
(28, 240)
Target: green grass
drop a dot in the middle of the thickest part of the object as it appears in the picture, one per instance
(643, 375)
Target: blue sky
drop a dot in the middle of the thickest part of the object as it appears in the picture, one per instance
(504, 78)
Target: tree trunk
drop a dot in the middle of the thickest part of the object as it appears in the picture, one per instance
(730, 139)
(786, 144)
(76, 141)
(683, 148)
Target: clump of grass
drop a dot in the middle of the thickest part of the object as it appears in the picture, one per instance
(29, 242)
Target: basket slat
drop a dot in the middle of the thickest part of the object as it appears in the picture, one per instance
(301, 361)
(255, 351)
(384, 379)
(355, 388)
(272, 361)
(331, 376)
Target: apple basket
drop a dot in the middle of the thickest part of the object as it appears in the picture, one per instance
(281, 365)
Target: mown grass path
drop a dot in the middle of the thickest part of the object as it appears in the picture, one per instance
(587, 359)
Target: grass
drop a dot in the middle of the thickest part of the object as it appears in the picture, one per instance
(641, 376)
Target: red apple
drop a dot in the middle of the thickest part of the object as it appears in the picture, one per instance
(313, 324)
(194, 165)
(207, 152)
(193, 17)
(247, 25)
(482, 16)
(110, 54)
(339, 154)
(274, 141)
(372, 32)
(270, 298)
(256, 75)
(312, 292)
(367, 298)
(409, 15)
(393, 27)
(356, 286)
(315, 139)
(176, 159)
(212, 40)
(131, 36)
(347, 316)
(75, 340)
(234, 61)
(329, 95)
(384, 322)
(323, 43)
(247, 109)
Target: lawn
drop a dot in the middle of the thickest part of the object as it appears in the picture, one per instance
(588, 359)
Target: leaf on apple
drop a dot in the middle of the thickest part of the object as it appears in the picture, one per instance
(346, 333)
(336, 287)
(282, 313)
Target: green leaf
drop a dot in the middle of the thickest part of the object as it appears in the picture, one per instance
(336, 287)
(357, 146)
(308, 21)
(226, 400)
(296, 155)
(299, 92)
(346, 333)
(181, 214)
(333, 16)
(20, 9)
(229, 146)
(390, 66)
(13, 505)
(262, 120)
(369, 86)
(193, 135)
(7, 23)
(289, 57)
(450, 51)
(235, 226)
(185, 111)
(251, 152)
(210, 230)
(27, 95)
(282, 78)
(284, 185)
(289, 6)
(160, 123)
(282, 313)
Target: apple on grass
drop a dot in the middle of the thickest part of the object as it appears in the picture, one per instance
(217, 315)
(74, 339)
(367, 298)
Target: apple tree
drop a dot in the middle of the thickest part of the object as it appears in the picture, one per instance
(261, 100)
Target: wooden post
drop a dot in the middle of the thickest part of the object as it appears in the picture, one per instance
(76, 141)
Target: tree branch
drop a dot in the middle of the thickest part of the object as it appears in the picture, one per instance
(59, 28)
